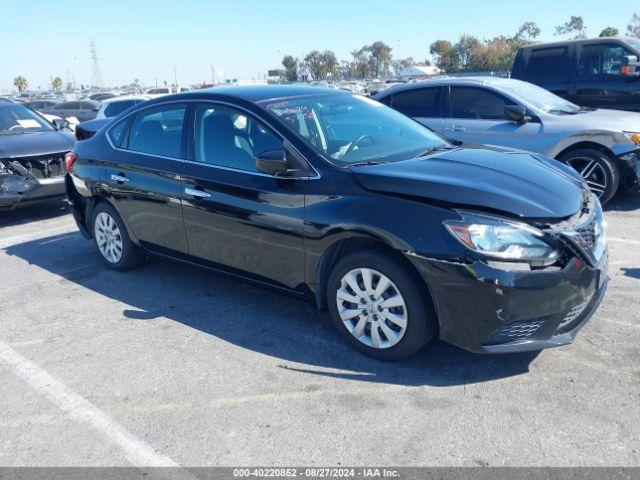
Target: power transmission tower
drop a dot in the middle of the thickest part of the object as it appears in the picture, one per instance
(96, 78)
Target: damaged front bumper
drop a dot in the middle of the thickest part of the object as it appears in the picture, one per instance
(19, 186)
(630, 168)
(486, 309)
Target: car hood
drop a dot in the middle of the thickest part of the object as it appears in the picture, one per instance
(521, 184)
(604, 119)
(37, 143)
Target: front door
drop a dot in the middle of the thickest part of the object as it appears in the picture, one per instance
(144, 178)
(237, 218)
(477, 115)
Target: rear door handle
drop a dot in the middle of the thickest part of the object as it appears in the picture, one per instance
(119, 178)
(194, 192)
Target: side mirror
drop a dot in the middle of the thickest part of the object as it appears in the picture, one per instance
(517, 113)
(59, 123)
(272, 162)
(629, 67)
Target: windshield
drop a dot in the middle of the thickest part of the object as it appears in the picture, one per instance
(634, 42)
(16, 119)
(349, 129)
(539, 97)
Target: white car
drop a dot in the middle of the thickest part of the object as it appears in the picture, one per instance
(156, 92)
(113, 107)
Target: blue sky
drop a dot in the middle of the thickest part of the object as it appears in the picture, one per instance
(145, 39)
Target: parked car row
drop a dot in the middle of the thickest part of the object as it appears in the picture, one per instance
(400, 234)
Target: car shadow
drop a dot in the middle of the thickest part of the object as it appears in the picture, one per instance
(34, 213)
(631, 272)
(255, 318)
(624, 202)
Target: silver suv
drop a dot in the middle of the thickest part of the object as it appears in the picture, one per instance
(603, 145)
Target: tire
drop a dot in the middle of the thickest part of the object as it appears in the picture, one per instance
(108, 229)
(394, 342)
(597, 168)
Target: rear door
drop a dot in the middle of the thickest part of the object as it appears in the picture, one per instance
(144, 176)
(478, 116)
(236, 217)
(599, 82)
(423, 104)
(550, 68)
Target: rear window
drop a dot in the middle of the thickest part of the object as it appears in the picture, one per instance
(419, 102)
(547, 65)
(116, 108)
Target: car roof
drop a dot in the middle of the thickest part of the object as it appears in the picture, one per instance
(563, 43)
(442, 81)
(260, 93)
(124, 98)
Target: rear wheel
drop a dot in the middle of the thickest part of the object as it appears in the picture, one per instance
(379, 306)
(112, 241)
(597, 169)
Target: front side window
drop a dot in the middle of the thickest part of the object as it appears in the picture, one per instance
(228, 138)
(603, 60)
(478, 104)
(18, 119)
(547, 65)
(68, 106)
(419, 102)
(158, 131)
(348, 129)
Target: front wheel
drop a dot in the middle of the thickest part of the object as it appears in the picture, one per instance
(379, 306)
(597, 169)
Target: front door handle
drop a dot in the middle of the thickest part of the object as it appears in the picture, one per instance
(194, 192)
(119, 178)
(457, 128)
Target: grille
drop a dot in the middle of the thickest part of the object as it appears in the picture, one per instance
(513, 332)
(573, 314)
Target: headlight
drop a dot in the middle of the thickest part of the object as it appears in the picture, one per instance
(634, 137)
(502, 239)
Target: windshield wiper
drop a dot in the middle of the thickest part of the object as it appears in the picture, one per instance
(438, 148)
(365, 163)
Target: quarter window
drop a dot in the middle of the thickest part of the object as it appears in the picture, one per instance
(158, 131)
(228, 138)
(419, 102)
(601, 60)
(478, 103)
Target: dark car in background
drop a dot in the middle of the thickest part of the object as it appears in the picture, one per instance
(597, 72)
(32, 157)
(83, 110)
(401, 235)
(41, 104)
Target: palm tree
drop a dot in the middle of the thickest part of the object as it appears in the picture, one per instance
(20, 83)
(57, 83)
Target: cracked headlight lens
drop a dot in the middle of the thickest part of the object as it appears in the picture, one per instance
(503, 239)
(634, 137)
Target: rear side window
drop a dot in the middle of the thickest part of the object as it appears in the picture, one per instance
(158, 131)
(547, 65)
(603, 60)
(68, 106)
(478, 104)
(116, 108)
(419, 102)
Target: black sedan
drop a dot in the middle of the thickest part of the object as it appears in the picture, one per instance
(32, 152)
(83, 110)
(401, 235)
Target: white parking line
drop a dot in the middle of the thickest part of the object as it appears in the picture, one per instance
(623, 240)
(135, 450)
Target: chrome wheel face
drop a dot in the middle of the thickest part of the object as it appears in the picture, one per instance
(592, 172)
(108, 237)
(372, 308)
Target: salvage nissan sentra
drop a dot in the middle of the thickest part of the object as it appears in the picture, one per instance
(401, 235)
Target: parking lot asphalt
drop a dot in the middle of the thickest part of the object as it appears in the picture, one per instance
(168, 365)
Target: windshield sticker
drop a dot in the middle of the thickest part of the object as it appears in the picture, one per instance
(29, 123)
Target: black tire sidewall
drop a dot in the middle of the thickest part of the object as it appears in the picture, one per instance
(130, 256)
(611, 169)
(421, 325)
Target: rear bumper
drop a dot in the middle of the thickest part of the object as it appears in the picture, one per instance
(490, 310)
(19, 191)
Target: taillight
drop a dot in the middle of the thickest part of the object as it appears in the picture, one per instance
(69, 158)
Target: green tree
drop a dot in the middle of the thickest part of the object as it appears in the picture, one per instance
(574, 25)
(329, 64)
(20, 83)
(633, 29)
(290, 65)
(446, 57)
(57, 84)
(402, 63)
(314, 62)
(381, 57)
(609, 32)
(527, 31)
(463, 48)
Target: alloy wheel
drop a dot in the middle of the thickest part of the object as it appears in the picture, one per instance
(372, 308)
(592, 172)
(108, 237)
